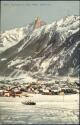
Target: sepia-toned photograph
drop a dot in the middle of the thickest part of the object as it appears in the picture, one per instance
(39, 62)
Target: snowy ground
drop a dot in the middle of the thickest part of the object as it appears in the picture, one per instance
(26, 78)
(48, 110)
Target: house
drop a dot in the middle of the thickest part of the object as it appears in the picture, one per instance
(12, 92)
(46, 92)
(61, 93)
(1, 92)
(55, 92)
(7, 93)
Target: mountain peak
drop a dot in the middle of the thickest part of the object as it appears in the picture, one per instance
(38, 23)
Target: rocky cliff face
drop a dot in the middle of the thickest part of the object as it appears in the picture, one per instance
(48, 50)
(38, 23)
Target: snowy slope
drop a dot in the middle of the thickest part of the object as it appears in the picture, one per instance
(12, 37)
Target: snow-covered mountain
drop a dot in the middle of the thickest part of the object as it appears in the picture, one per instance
(42, 49)
(12, 37)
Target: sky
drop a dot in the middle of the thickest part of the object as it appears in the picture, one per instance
(20, 13)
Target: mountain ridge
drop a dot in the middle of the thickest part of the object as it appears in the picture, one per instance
(49, 49)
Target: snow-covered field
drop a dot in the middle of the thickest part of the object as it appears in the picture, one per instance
(24, 78)
(48, 109)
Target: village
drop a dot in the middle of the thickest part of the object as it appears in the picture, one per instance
(43, 88)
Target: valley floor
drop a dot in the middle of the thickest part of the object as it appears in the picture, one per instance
(49, 109)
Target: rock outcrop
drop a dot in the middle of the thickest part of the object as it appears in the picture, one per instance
(38, 23)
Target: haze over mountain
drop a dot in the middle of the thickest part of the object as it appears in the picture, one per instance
(41, 49)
